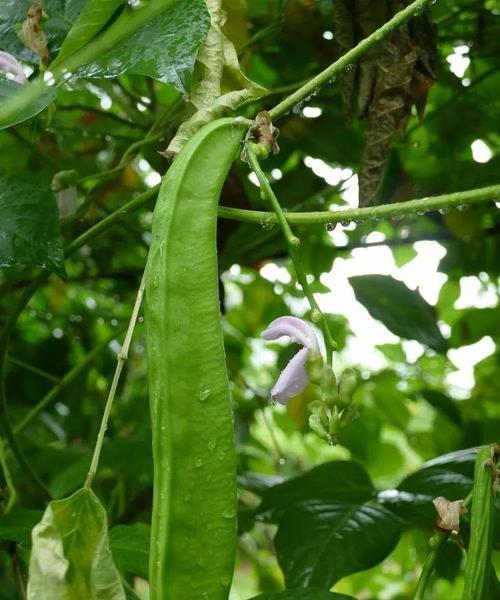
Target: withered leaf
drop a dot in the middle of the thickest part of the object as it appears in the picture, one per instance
(388, 80)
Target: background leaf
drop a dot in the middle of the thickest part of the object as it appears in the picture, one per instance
(30, 232)
(16, 526)
(70, 557)
(401, 310)
(319, 542)
(130, 547)
(342, 481)
(165, 48)
(9, 88)
(93, 17)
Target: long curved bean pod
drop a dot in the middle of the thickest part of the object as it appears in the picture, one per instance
(193, 540)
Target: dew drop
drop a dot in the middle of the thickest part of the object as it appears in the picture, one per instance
(203, 395)
(443, 211)
(345, 223)
(330, 226)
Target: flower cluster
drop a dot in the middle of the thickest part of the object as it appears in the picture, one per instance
(333, 407)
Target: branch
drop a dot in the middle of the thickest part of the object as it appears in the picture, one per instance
(121, 360)
(344, 62)
(8, 479)
(383, 211)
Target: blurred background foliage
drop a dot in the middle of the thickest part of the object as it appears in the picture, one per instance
(419, 397)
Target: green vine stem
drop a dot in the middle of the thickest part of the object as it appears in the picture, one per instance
(120, 363)
(26, 366)
(395, 210)
(292, 242)
(344, 62)
(436, 542)
(8, 479)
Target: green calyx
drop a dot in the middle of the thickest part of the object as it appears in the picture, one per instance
(333, 408)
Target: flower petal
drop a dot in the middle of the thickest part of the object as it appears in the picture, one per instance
(293, 379)
(10, 64)
(298, 330)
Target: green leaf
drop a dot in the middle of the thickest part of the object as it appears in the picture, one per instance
(30, 224)
(9, 88)
(130, 547)
(165, 48)
(319, 542)
(303, 594)
(448, 561)
(16, 526)
(401, 310)
(341, 481)
(444, 404)
(70, 558)
(450, 475)
(95, 14)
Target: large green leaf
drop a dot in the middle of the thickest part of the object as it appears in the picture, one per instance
(319, 542)
(303, 594)
(401, 310)
(130, 547)
(30, 233)
(95, 14)
(338, 481)
(9, 88)
(70, 558)
(165, 48)
(450, 475)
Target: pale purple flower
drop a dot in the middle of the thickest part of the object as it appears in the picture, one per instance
(293, 379)
(11, 66)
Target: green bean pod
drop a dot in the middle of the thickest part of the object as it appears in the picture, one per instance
(193, 531)
(478, 563)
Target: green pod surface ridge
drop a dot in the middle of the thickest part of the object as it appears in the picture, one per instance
(478, 564)
(193, 530)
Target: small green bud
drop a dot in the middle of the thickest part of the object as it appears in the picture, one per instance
(347, 385)
(435, 541)
(334, 423)
(349, 414)
(317, 426)
(329, 391)
(63, 180)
